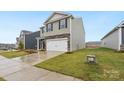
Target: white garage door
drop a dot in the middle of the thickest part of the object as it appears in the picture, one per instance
(56, 44)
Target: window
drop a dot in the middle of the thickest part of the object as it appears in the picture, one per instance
(63, 24)
(49, 27)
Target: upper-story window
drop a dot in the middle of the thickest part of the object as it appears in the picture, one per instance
(63, 24)
(49, 27)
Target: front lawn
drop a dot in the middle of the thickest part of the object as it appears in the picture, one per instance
(2, 51)
(110, 64)
(12, 54)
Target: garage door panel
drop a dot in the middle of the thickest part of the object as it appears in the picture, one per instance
(56, 45)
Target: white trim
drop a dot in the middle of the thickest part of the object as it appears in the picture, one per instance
(38, 43)
(70, 34)
(120, 37)
(60, 13)
(57, 39)
(57, 19)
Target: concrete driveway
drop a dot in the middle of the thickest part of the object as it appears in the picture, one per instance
(22, 69)
(36, 58)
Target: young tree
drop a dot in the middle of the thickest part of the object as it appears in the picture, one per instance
(21, 45)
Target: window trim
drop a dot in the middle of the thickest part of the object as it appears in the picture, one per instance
(51, 27)
(62, 26)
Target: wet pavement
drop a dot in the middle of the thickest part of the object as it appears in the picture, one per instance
(36, 58)
(22, 69)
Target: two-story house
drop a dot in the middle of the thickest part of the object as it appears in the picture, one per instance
(61, 32)
(21, 37)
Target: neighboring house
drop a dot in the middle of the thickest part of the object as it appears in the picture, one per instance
(61, 32)
(21, 38)
(30, 40)
(93, 44)
(115, 38)
(7, 46)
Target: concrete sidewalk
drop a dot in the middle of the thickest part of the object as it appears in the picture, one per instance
(15, 70)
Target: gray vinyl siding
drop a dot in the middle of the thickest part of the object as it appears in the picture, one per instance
(77, 34)
(112, 40)
(122, 35)
(30, 40)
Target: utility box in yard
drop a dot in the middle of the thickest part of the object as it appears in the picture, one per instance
(91, 59)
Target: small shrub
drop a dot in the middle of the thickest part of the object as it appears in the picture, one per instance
(21, 46)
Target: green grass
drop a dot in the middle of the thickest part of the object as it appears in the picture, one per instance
(13, 54)
(110, 64)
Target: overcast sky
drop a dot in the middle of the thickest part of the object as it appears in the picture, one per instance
(96, 24)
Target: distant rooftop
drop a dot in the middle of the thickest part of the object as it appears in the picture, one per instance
(26, 31)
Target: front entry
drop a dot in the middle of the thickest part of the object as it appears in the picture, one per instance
(42, 44)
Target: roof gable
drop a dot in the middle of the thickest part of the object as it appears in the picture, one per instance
(114, 29)
(55, 16)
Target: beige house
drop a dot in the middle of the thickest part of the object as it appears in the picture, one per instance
(61, 32)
